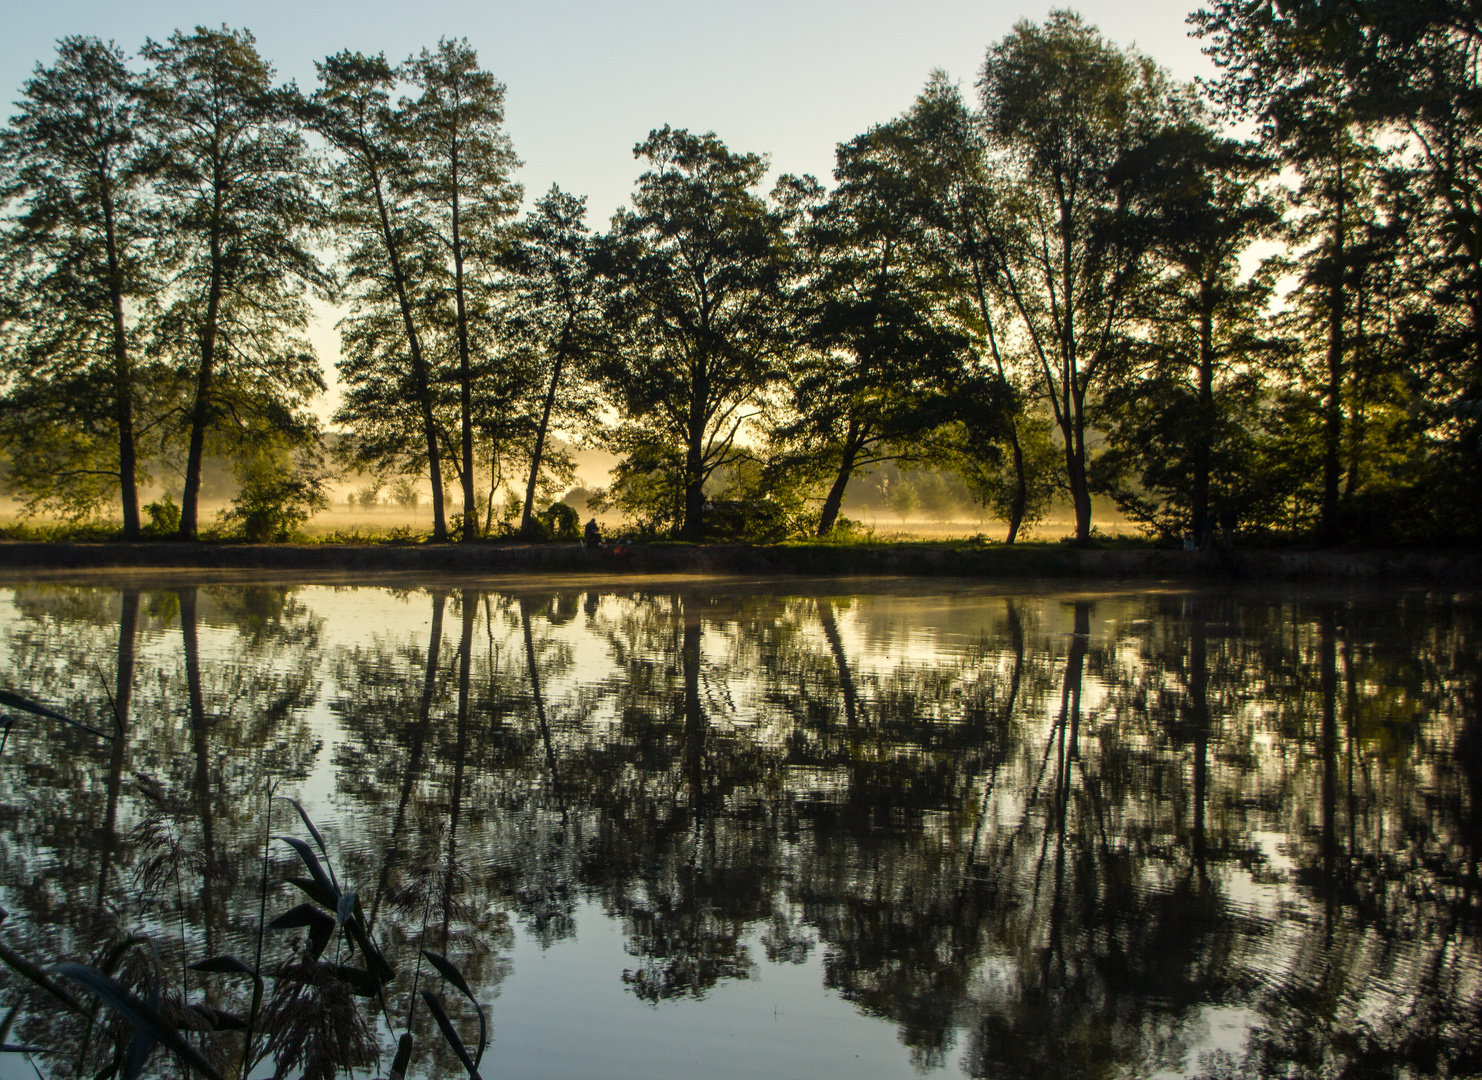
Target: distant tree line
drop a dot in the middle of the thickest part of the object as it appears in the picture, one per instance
(1076, 282)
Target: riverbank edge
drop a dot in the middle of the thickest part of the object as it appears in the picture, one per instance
(855, 560)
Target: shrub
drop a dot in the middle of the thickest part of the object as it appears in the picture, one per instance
(562, 522)
(164, 518)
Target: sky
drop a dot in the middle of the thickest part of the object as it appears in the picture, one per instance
(588, 79)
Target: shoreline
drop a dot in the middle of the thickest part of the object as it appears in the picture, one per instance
(746, 560)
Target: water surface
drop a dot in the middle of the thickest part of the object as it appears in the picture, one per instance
(671, 829)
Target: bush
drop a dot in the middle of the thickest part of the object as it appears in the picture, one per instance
(561, 521)
(164, 518)
(276, 498)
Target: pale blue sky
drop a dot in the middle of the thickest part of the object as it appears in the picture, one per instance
(587, 80)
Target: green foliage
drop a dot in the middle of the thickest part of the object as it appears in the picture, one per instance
(236, 197)
(987, 469)
(80, 269)
(698, 318)
(277, 496)
(561, 522)
(164, 518)
(648, 482)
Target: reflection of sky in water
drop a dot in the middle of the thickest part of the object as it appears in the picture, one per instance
(1088, 785)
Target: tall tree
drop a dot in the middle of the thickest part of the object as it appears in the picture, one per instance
(551, 261)
(384, 252)
(698, 309)
(1414, 66)
(1063, 110)
(235, 191)
(79, 270)
(969, 209)
(1182, 409)
(881, 359)
(1284, 67)
(462, 192)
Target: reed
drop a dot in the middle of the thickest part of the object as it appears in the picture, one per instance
(313, 1012)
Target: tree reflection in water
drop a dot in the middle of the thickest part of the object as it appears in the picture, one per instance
(1039, 835)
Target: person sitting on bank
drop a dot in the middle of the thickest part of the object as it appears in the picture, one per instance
(593, 535)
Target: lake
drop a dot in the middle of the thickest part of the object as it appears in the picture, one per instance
(679, 827)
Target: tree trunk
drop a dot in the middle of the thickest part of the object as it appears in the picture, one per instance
(1205, 415)
(1198, 717)
(465, 376)
(1328, 750)
(123, 380)
(200, 740)
(527, 519)
(1075, 474)
(128, 626)
(695, 725)
(836, 646)
(1333, 406)
(835, 498)
(419, 366)
(693, 527)
(1021, 481)
(537, 698)
(1021, 485)
(460, 757)
(201, 413)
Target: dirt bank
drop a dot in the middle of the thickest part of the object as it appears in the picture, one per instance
(901, 559)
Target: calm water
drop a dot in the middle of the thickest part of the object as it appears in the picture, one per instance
(671, 830)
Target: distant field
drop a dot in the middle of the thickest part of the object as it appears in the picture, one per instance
(381, 520)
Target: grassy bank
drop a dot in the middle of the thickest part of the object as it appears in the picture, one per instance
(927, 558)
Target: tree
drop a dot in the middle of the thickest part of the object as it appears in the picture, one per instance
(387, 373)
(880, 359)
(697, 308)
(234, 190)
(1063, 112)
(1413, 69)
(79, 269)
(1187, 382)
(462, 193)
(1284, 67)
(551, 262)
(968, 219)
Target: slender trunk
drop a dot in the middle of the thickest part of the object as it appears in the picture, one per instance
(465, 377)
(694, 715)
(1020, 504)
(1205, 415)
(460, 754)
(414, 758)
(200, 741)
(1080, 645)
(836, 646)
(1016, 637)
(1075, 473)
(527, 519)
(1021, 482)
(128, 627)
(123, 378)
(419, 365)
(693, 526)
(1199, 720)
(831, 505)
(537, 698)
(1074, 425)
(201, 412)
(1328, 751)
(1333, 406)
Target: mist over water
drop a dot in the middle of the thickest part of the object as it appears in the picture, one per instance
(884, 829)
